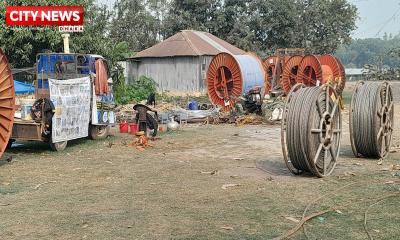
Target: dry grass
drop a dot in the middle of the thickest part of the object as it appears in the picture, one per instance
(92, 191)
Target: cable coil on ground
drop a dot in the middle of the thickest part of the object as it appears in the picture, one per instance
(371, 119)
(311, 130)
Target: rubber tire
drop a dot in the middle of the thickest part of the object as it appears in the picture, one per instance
(10, 142)
(97, 132)
(58, 146)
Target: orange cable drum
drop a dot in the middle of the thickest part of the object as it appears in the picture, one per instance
(289, 73)
(231, 76)
(330, 67)
(269, 66)
(342, 78)
(7, 102)
(310, 71)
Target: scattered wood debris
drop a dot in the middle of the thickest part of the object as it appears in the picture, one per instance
(141, 142)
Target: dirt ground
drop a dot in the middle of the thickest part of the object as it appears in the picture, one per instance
(174, 190)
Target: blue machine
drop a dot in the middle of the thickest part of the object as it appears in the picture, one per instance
(63, 66)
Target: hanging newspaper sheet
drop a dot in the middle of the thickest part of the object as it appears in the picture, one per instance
(71, 99)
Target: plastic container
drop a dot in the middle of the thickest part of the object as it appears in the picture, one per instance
(124, 127)
(133, 127)
(193, 105)
(26, 108)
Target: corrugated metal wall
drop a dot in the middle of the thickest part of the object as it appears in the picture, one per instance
(182, 74)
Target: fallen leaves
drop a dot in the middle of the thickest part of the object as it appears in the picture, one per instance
(395, 167)
(141, 143)
(292, 219)
(230, 185)
(227, 228)
(214, 172)
(40, 184)
(338, 211)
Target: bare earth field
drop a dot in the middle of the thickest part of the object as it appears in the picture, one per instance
(174, 190)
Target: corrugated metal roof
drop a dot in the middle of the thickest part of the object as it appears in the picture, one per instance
(354, 71)
(189, 43)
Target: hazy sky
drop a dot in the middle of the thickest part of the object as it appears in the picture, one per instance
(375, 17)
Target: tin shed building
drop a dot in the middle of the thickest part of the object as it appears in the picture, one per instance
(179, 63)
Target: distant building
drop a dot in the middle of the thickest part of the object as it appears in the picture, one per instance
(179, 63)
(354, 74)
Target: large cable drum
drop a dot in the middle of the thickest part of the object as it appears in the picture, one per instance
(371, 119)
(7, 102)
(289, 73)
(270, 65)
(342, 77)
(310, 71)
(311, 130)
(231, 76)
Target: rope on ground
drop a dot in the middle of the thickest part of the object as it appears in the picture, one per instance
(301, 223)
(319, 198)
(376, 203)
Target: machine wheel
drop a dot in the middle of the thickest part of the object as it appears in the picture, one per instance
(97, 132)
(10, 142)
(58, 146)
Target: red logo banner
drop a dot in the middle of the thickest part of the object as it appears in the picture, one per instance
(44, 15)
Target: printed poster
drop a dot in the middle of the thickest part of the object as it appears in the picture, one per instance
(71, 99)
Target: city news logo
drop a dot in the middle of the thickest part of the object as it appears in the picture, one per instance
(67, 18)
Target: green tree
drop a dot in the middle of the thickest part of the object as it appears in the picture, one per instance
(21, 44)
(265, 25)
(134, 24)
(370, 51)
(199, 15)
(325, 25)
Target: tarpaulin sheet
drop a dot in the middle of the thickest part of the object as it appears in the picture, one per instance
(23, 88)
(71, 99)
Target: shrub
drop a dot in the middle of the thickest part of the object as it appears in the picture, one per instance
(137, 91)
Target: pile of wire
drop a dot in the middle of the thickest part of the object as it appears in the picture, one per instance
(311, 130)
(371, 119)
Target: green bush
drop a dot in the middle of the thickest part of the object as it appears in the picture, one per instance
(137, 91)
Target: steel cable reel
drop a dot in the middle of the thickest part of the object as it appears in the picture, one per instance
(371, 119)
(311, 130)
